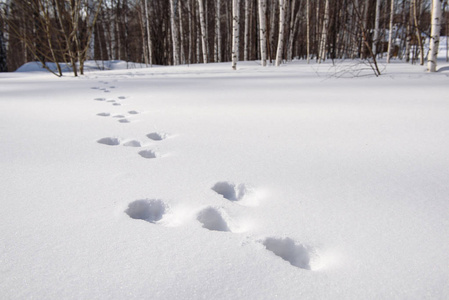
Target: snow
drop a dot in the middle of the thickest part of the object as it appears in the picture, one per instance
(301, 181)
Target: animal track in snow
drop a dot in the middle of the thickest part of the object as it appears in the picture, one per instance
(149, 154)
(104, 114)
(133, 143)
(124, 121)
(133, 112)
(150, 210)
(110, 141)
(212, 219)
(122, 97)
(157, 136)
(100, 99)
(297, 255)
(118, 116)
(230, 191)
(116, 104)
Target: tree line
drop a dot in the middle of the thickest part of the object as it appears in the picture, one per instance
(173, 32)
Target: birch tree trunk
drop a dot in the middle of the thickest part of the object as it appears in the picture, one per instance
(235, 32)
(263, 31)
(280, 48)
(323, 43)
(203, 30)
(390, 35)
(376, 28)
(174, 31)
(308, 30)
(409, 34)
(246, 45)
(90, 23)
(218, 32)
(434, 35)
(148, 31)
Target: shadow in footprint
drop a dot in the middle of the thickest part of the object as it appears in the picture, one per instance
(150, 210)
(296, 254)
(157, 136)
(230, 191)
(212, 219)
(110, 141)
(132, 143)
(148, 154)
(104, 114)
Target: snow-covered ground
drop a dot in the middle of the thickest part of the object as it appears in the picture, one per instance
(200, 182)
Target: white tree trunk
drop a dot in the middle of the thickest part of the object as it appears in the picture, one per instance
(218, 32)
(308, 30)
(203, 30)
(263, 31)
(376, 28)
(174, 32)
(148, 30)
(235, 32)
(390, 35)
(280, 48)
(323, 43)
(246, 46)
(434, 35)
(181, 35)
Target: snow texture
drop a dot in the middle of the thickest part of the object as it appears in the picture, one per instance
(315, 181)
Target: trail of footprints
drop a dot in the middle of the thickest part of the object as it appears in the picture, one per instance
(124, 119)
(213, 218)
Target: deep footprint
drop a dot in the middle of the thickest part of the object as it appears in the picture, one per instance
(157, 136)
(230, 191)
(149, 154)
(132, 143)
(296, 254)
(212, 219)
(150, 210)
(110, 141)
(104, 114)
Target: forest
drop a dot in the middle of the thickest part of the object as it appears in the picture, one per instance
(173, 32)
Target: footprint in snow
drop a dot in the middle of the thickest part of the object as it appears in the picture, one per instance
(104, 114)
(100, 99)
(95, 88)
(149, 154)
(230, 191)
(122, 97)
(116, 104)
(157, 136)
(110, 141)
(124, 120)
(150, 210)
(212, 219)
(296, 254)
(133, 112)
(118, 116)
(133, 143)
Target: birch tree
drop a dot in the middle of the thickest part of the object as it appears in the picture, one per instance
(218, 31)
(280, 48)
(390, 35)
(203, 30)
(235, 32)
(324, 30)
(246, 40)
(263, 31)
(434, 35)
(174, 31)
(376, 28)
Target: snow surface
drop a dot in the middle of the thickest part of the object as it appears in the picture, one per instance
(199, 182)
